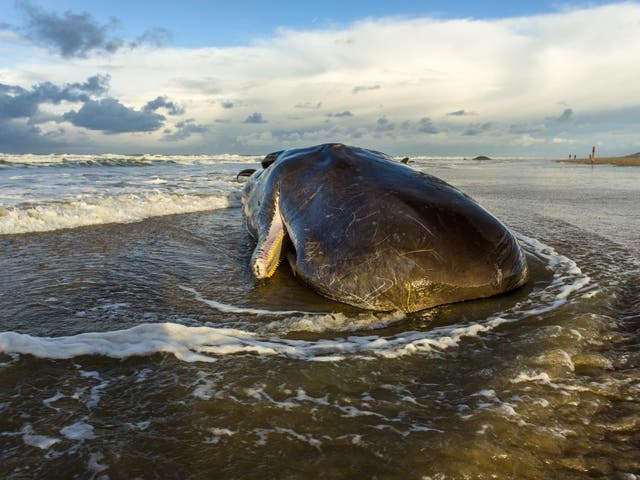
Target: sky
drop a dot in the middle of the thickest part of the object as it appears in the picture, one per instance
(501, 78)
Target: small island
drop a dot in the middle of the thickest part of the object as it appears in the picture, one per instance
(482, 157)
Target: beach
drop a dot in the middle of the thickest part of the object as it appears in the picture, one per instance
(618, 161)
(135, 342)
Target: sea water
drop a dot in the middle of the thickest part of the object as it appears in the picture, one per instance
(135, 343)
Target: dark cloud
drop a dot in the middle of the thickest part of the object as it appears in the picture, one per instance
(78, 34)
(16, 106)
(72, 34)
(363, 88)
(565, 116)
(184, 130)
(384, 125)
(476, 129)
(163, 102)
(227, 104)
(20, 138)
(344, 114)
(110, 116)
(461, 113)
(309, 105)
(17, 102)
(425, 125)
(255, 117)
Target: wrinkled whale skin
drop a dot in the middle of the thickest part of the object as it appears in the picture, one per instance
(363, 229)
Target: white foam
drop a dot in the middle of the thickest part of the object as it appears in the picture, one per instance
(205, 343)
(95, 394)
(301, 321)
(94, 464)
(112, 159)
(226, 308)
(568, 278)
(263, 433)
(78, 431)
(218, 433)
(96, 210)
(40, 441)
(50, 400)
(43, 442)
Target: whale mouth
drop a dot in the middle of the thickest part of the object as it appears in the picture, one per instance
(268, 253)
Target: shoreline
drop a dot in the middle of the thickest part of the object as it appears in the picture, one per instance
(618, 161)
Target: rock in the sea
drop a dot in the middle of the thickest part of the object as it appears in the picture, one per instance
(482, 157)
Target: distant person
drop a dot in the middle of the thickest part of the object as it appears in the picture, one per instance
(574, 157)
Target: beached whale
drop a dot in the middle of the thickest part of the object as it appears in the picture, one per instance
(363, 229)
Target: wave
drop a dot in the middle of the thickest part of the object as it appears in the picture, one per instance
(96, 210)
(115, 160)
(206, 344)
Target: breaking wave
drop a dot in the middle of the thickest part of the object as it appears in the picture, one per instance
(115, 160)
(96, 210)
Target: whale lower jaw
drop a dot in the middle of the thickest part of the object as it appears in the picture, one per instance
(268, 253)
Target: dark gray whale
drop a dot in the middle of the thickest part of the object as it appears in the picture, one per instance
(363, 229)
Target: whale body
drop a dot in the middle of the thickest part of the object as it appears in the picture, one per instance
(361, 228)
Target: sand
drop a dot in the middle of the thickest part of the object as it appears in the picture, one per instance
(619, 161)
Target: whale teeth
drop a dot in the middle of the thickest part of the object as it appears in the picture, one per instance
(275, 249)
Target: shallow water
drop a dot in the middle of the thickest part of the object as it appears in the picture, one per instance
(147, 350)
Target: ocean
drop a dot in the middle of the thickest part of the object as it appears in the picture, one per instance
(135, 343)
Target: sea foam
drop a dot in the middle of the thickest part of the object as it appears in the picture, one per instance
(124, 208)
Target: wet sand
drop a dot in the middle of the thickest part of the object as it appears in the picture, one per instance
(619, 161)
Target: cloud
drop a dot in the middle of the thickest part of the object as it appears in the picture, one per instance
(14, 137)
(512, 70)
(476, 129)
(227, 104)
(19, 105)
(364, 88)
(562, 141)
(184, 130)
(460, 113)
(110, 116)
(343, 114)
(565, 116)
(255, 117)
(157, 37)
(163, 102)
(308, 105)
(384, 125)
(425, 125)
(72, 35)
(78, 34)
(17, 102)
(526, 129)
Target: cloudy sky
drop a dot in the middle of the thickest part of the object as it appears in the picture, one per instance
(405, 77)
